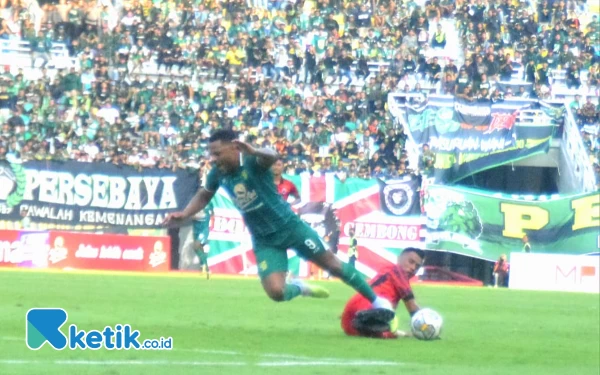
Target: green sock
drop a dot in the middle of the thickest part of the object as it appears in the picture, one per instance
(353, 278)
(291, 292)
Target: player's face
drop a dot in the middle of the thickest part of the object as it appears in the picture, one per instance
(225, 155)
(410, 263)
(277, 168)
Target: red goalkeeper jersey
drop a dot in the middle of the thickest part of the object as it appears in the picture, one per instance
(287, 188)
(390, 283)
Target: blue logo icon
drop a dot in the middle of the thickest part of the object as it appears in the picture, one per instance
(43, 325)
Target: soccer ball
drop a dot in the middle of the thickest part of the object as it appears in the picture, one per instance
(426, 324)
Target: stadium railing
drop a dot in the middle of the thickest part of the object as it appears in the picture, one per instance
(572, 144)
(18, 53)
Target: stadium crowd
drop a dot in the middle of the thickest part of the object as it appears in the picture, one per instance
(309, 78)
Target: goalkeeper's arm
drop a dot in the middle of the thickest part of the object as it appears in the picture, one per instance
(411, 306)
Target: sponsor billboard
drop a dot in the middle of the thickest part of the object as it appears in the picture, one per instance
(552, 272)
(23, 249)
(86, 251)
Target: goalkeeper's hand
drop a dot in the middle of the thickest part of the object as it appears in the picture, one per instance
(399, 334)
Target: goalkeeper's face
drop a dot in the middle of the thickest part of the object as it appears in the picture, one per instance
(277, 168)
(410, 262)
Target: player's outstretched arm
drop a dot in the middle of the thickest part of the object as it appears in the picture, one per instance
(197, 203)
(411, 306)
(265, 157)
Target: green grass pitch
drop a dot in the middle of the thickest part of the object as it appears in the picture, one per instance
(228, 326)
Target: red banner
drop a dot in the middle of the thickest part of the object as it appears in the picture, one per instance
(72, 250)
(10, 245)
(109, 252)
(20, 248)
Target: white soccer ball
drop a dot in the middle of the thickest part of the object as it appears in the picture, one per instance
(426, 324)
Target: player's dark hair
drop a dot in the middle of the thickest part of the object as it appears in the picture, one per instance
(419, 252)
(223, 135)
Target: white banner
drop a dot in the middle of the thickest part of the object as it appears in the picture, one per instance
(567, 273)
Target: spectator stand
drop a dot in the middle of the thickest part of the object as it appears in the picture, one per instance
(119, 29)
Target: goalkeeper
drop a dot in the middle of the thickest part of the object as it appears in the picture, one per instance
(393, 284)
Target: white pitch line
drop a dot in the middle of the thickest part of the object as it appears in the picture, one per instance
(288, 356)
(291, 357)
(119, 363)
(327, 363)
(8, 338)
(286, 360)
(197, 363)
(146, 363)
(208, 351)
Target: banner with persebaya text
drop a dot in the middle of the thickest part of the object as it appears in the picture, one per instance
(474, 223)
(72, 195)
(474, 136)
(386, 217)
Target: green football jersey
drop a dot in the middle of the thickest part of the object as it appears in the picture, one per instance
(254, 193)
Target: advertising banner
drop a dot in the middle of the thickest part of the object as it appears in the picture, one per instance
(23, 249)
(72, 250)
(90, 195)
(85, 251)
(470, 137)
(551, 272)
(475, 223)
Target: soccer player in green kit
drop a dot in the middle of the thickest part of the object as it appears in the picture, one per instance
(201, 227)
(244, 172)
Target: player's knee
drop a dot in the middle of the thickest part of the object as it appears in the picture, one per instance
(276, 294)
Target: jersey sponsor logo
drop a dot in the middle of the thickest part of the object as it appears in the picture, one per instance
(243, 197)
(263, 265)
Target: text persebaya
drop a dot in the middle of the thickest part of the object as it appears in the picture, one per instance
(101, 191)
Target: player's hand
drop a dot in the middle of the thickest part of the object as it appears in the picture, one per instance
(402, 334)
(174, 218)
(244, 147)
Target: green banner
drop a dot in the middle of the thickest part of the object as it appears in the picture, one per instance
(479, 224)
(470, 137)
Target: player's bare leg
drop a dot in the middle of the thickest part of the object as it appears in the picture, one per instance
(274, 285)
(279, 290)
(198, 250)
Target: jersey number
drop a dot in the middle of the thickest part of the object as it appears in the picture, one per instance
(310, 244)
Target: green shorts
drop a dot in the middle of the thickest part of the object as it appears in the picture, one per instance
(271, 251)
